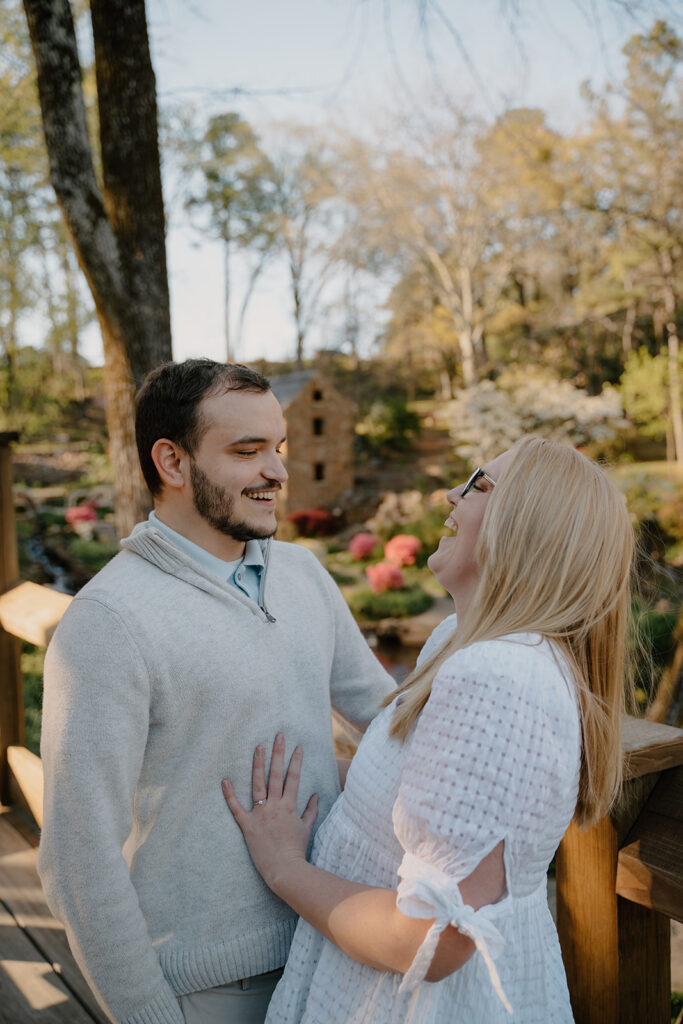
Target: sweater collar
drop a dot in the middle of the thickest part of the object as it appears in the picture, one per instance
(252, 555)
(149, 542)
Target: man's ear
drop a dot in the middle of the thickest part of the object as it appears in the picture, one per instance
(171, 463)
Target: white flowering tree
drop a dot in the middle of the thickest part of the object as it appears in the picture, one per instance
(487, 419)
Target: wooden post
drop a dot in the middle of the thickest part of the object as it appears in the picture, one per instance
(12, 726)
(616, 952)
(587, 921)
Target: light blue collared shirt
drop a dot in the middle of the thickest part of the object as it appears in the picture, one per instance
(245, 573)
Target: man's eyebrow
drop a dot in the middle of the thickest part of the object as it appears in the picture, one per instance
(252, 440)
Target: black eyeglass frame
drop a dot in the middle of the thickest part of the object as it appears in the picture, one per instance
(477, 475)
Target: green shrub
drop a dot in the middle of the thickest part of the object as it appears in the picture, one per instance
(652, 645)
(93, 553)
(392, 604)
(342, 578)
(676, 1007)
(389, 425)
(654, 495)
(32, 659)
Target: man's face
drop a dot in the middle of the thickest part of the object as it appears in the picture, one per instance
(236, 471)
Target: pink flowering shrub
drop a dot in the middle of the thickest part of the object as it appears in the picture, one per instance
(361, 545)
(402, 549)
(312, 522)
(383, 577)
(81, 514)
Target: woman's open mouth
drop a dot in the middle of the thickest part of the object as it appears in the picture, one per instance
(451, 524)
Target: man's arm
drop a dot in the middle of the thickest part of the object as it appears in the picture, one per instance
(358, 683)
(95, 724)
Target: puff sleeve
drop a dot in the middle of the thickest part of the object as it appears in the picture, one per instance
(471, 761)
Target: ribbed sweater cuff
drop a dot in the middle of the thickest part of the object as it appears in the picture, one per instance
(165, 1009)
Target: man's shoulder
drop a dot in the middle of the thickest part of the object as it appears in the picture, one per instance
(119, 580)
(288, 553)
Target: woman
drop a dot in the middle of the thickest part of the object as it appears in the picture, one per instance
(431, 867)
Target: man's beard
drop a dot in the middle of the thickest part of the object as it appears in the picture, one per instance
(216, 506)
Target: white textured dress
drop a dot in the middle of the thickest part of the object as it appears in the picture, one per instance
(495, 755)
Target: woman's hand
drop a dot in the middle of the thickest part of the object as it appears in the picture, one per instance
(275, 834)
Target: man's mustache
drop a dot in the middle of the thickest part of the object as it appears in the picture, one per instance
(272, 485)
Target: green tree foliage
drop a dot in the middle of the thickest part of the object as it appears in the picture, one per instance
(510, 242)
(635, 152)
(646, 394)
(23, 170)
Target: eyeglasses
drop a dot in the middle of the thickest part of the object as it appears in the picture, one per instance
(478, 473)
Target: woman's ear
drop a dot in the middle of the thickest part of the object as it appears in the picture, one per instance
(171, 463)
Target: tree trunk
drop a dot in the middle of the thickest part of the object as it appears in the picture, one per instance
(298, 320)
(118, 234)
(132, 496)
(666, 706)
(72, 322)
(675, 391)
(455, 302)
(627, 332)
(11, 341)
(226, 297)
(669, 322)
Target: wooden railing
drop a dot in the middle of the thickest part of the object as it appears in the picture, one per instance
(28, 612)
(618, 884)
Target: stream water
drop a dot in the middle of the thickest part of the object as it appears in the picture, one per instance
(398, 660)
(60, 577)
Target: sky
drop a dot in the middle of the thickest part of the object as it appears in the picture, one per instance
(342, 61)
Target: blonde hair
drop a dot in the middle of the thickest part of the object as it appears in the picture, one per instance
(555, 551)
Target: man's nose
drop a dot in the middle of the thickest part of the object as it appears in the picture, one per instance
(275, 470)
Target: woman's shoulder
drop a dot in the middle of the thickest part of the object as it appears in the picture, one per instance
(522, 661)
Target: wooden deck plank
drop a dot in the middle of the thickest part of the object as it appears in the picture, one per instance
(30, 989)
(22, 895)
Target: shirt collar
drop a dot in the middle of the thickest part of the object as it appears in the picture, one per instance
(253, 554)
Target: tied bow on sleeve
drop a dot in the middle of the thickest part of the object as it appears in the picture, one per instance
(425, 892)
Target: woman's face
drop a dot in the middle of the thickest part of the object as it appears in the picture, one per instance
(453, 561)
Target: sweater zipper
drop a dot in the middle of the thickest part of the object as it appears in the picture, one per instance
(262, 586)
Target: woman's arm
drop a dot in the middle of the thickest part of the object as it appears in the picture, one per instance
(363, 921)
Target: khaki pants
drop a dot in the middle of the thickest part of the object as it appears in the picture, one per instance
(242, 1002)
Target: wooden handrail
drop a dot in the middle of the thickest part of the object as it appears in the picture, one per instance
(12, 726)
(649, 746)
(32, 612)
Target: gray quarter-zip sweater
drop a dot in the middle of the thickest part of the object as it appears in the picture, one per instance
(160, 681)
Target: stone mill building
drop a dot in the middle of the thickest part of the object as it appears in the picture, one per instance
(319, 449)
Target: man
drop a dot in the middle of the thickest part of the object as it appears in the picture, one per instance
(199, 641)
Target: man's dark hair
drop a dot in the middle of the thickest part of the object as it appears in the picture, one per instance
(168, 405)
